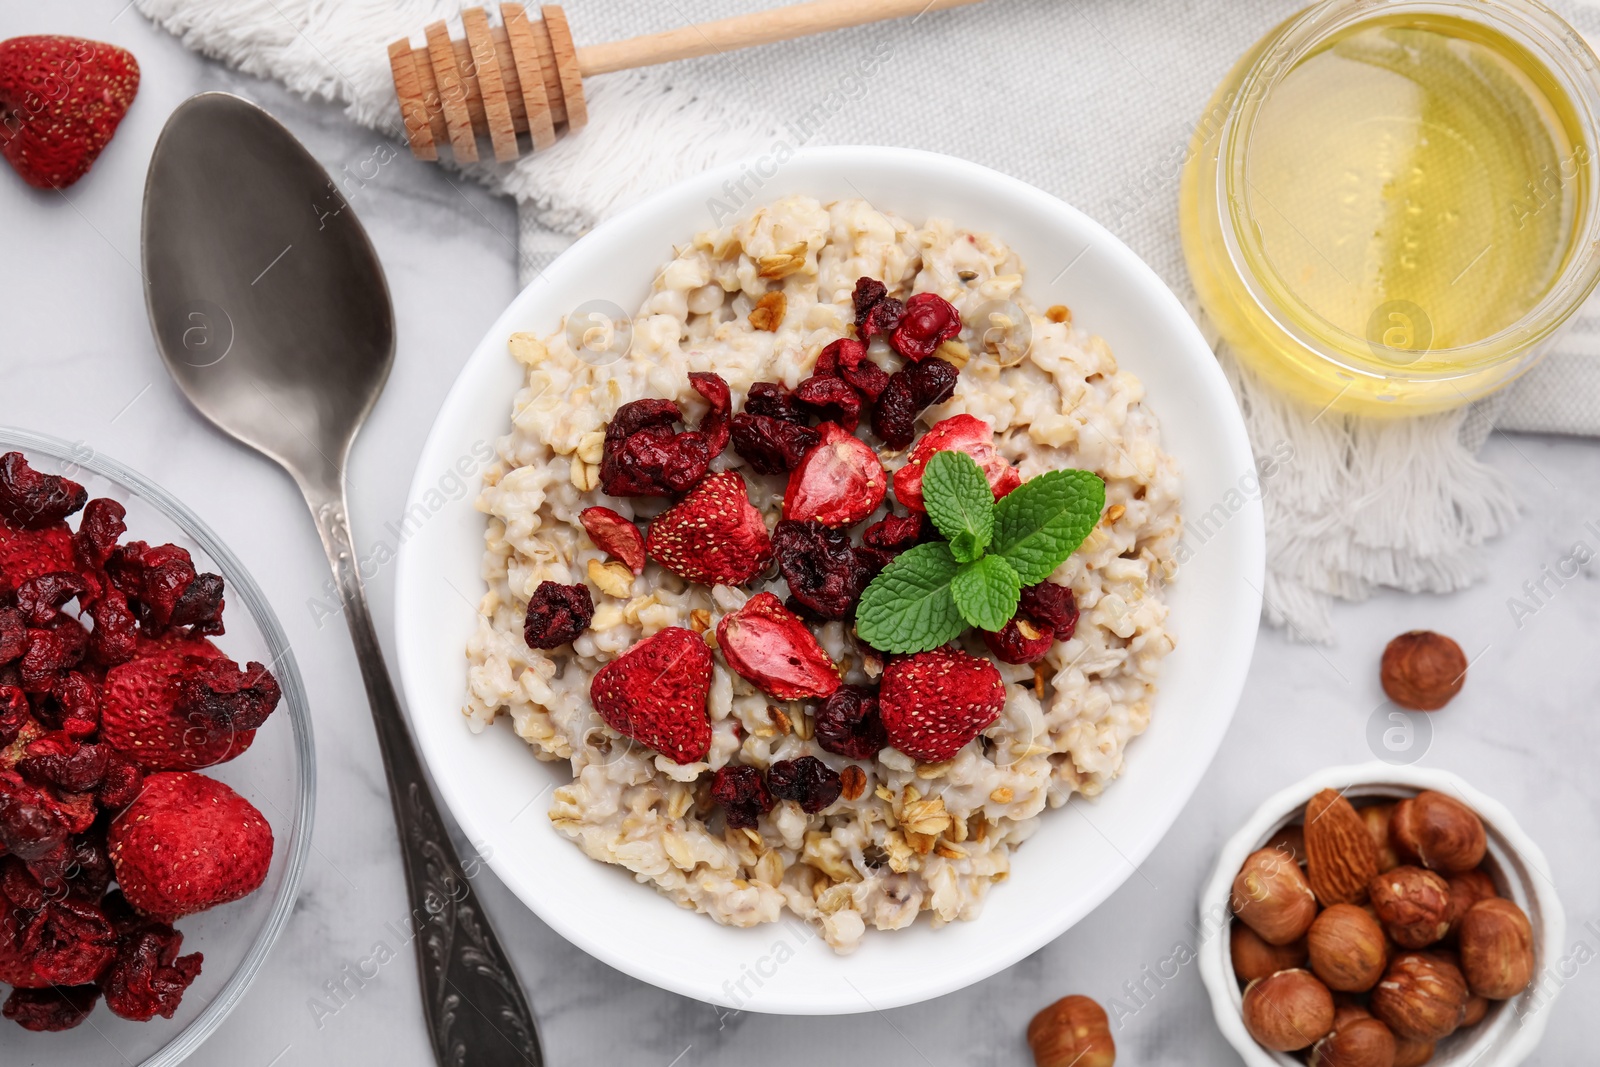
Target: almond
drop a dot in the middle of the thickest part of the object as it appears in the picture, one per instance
(1341, 857)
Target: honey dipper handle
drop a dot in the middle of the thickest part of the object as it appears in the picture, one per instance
(742, 31)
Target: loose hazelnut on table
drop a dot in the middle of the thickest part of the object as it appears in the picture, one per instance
(1413, 905)
(1287, 1011)
(1446, 834)
(1496, 949)
(1072, 1032)
(1347, 949)
(1272, 897)
(1356, 1042)
(1422, 670)
(1254, 958)
(1466, 889)
(1422, 996)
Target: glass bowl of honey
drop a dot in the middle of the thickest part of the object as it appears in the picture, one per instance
(1392, 207)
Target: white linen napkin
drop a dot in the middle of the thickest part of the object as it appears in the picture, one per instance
(1092, 100)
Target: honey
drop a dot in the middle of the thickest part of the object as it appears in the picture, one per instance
(1394, 208)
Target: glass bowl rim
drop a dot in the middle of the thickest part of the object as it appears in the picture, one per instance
(295, 703)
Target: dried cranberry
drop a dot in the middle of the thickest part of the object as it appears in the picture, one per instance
(769, 444)
(121, 784)
(714, 427)
(928, 322)
(823, 570)
(849, 724)
(91, 871)
(115, 637)
(51, 651)
(1053, 606)
(832, 399)
(50, 1010)
(911, 391)
(1019, 641)
(889, 536)
(876, 311)
(99, 530)
(848, 360)
(58, 759)
(557, 614)
(225, 699)
(15, 713)
(153, 579)
(33, 500)
(200, 606)
(40, 599)
(742, 794)
(29, 829)
(148, 977)
(774, 401)
(76, 700)
(644, 457)
(71, 941)
(13, 635)
(807, 781)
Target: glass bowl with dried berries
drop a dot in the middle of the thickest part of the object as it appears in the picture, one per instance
(1381, 915)
(156, 767)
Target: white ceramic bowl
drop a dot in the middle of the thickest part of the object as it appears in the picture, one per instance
(500, 793)
(1513, 1027)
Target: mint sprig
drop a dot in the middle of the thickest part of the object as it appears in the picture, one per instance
(929, 594)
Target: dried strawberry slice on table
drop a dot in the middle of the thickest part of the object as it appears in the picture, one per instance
(958, 433)
(933, 703)
(188, 843)
(655, 693)
(712, 536)
(838, 483)
(144, 717)
(769, 646)
(61, 99)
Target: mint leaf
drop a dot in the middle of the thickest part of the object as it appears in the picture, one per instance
(908, 606)
(1041, 522)
(986, 592)
(958, 499)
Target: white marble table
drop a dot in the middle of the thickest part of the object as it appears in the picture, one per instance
(76, 359)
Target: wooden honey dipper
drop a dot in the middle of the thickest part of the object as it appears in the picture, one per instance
(526, 75)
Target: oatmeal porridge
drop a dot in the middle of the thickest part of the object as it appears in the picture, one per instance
(733, 740)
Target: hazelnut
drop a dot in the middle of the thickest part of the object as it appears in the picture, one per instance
(1340, 856)
(1409, 1053)
(1413, 904)
(1447, 834)
(1347, 949)
(1273, 898)
(1402, 833)
(1346, 1010)
(1072, 1032)
(1466, 889)
(1477, 1008)
(1357, 1043)
(1288, 1010)
(1253, 958)
(1421, 997)
(1496, 949)
(1377, 819)
(1290, 840)
(1422, 670)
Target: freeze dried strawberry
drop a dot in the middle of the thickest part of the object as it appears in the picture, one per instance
(849, 723)
(50, 1010)
(912, 390)
(61, 99)
(644, 457)
(188, 843)
(838, 483)
(41, 598)
(99, 530)
(927, 322)
(115, 638)
(15, 713)
(148, 977)
(140, 718)
(713, 536)
(768, 646)
(824, 572)
(742, 794)
(847, 360)
(27, 554)
(616, 535)
(28, 498)
(60, 760)
(773, 401)
(227, 699)
(933, 703)
(807, 781)
(771, 445)
(655, 693)
(831, 399)
(958, 433)
(876, 311)
(714, 427)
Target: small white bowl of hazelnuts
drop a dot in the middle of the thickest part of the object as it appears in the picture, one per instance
(1381, 916)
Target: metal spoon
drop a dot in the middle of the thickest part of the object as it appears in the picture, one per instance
(271, 311)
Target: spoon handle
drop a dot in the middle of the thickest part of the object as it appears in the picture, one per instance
(476, 1010)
